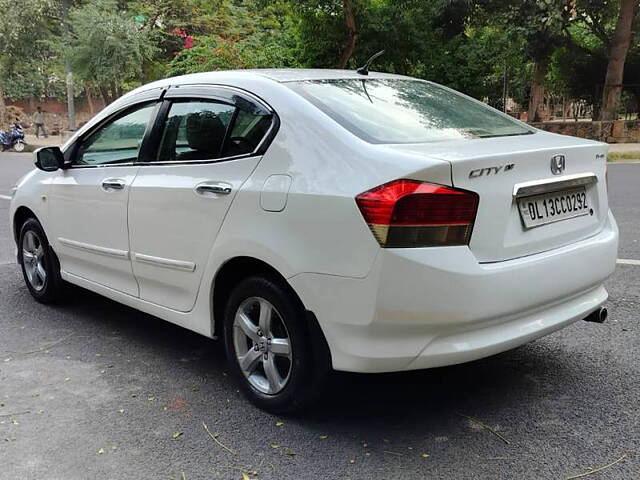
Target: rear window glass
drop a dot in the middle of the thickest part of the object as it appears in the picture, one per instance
(405, 111)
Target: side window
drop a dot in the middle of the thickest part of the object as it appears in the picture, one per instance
(118, 141)
(248, 131)
(195, 130)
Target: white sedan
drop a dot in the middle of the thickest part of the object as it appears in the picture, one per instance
(317, 220)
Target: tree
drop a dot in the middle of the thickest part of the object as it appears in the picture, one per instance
(71, 106)
(578, 65)
(109, 48)
(351, 33)
(22, 34)
(250, 35)
(617, 53)
(542, 25)
(537, 48)
(328, 29)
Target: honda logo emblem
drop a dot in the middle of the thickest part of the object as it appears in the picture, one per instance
(557, 164)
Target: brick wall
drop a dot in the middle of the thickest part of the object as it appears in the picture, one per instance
(55, 113)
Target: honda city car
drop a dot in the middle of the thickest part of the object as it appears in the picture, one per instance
(319, 220)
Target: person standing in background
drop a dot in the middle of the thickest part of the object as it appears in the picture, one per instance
(38, 120)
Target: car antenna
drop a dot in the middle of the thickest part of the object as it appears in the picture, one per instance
(364, 70)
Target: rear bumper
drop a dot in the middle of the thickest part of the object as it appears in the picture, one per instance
(421, 308)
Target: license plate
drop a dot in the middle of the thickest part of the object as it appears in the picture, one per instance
(546, 208)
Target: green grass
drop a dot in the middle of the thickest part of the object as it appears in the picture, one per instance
(624, 156)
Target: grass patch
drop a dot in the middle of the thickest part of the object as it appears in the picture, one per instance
(624, 156)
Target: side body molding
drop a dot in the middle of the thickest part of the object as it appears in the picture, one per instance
(110, 252)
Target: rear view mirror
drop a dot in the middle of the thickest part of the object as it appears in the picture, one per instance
(49, 159)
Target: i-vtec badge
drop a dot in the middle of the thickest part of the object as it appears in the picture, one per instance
(558, 164)
(479, 172)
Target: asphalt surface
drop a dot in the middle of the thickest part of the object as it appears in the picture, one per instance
(90, 389)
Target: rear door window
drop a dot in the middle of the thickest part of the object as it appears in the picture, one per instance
(195, 130)
(249, 128)
(208, 130)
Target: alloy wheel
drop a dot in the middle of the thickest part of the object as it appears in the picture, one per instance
(33, 260)
(262, 345)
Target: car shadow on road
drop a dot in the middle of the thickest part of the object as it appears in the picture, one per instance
(416, 400)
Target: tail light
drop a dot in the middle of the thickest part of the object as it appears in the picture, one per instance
(410, 213)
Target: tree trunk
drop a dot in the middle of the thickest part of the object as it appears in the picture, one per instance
(71, 107)
(352, 34)
(617, 54)
(2, 108)
(116, 92)
(536, 97)
(102, 97)
(105, 94)
(92, 107)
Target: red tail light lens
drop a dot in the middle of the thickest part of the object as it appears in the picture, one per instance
(410, 213)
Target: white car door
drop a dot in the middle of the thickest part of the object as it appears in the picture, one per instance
(209, 140)
(88, 200)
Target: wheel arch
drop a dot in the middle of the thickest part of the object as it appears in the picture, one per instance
(21, 215)
(232, 272)
(238, 268)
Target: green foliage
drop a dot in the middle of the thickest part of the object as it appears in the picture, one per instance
(541, 24)
(320, 29)
(216, 53)
(32, 77)
(26, 61)
(247, 35)
(470, 45)
(19, 31)
(109, 47)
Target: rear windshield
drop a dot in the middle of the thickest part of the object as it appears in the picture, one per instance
(405, 111)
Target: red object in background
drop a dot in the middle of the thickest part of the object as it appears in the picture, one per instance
(188, 39)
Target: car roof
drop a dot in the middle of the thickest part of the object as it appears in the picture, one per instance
(280, 75)
(251, 77)
(301, 74)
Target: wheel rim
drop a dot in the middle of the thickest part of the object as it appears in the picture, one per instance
(262, 345)
(18, 147)
(33, 260)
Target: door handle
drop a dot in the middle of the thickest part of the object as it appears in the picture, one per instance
(111, 184)
(208, 189)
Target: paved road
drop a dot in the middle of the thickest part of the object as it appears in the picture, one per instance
(12, 167)
(108, 388)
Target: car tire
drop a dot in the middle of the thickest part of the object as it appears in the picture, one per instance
(254, 354)
(40, 267)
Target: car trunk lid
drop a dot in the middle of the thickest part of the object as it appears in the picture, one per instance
(495, 168)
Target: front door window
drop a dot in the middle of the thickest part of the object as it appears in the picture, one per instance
(118, 141)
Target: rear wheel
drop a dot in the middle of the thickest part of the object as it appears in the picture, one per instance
(268, 346)
(40, 267)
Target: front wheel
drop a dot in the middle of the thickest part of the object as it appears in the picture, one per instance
(18, 146)
(268, 346)
(40, 266)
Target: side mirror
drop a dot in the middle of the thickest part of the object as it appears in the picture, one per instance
(49, 159)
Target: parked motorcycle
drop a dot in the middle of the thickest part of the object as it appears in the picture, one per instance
(13, 138)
